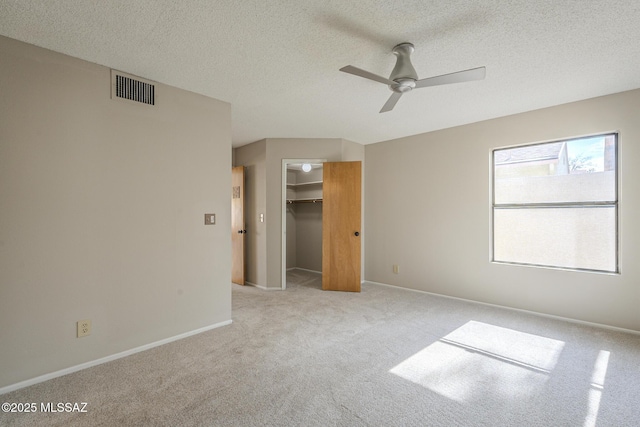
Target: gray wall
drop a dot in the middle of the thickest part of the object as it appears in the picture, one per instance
(291, 221)
(428, 210)
(102, 208)
(305, 222)
(308, 222)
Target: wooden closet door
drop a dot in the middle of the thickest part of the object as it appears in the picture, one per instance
(341, 222)
(237, 226)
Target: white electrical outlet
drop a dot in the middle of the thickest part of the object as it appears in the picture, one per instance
(396, 268)
(84, 328)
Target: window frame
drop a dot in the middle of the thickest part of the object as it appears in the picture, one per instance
(568, 205)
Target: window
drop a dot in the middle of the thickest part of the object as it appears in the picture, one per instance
(555, 204)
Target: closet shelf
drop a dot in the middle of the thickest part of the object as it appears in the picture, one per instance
(289, 201)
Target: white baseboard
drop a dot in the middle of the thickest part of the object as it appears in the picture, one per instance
(318, 272)
(264, 288)
(535, 313)
(305, 269)
(76, 368)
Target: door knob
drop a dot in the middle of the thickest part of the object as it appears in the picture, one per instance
(242, 231)
(357, 233)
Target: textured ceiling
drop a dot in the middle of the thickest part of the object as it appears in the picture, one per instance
(277, 61)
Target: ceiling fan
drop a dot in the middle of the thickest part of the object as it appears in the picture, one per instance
(404, 78)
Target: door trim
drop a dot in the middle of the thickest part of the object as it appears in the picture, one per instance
(283, 214)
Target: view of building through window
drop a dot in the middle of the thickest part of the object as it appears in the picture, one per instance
(589, 154)
(555, 204)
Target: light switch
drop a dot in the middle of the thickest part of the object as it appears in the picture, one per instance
(261, 217)
(209, 219)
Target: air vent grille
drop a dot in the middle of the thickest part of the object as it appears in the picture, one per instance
(132, 88)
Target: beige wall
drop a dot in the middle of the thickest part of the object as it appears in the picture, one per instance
(102, 208)
(352, 152)
(428, 210)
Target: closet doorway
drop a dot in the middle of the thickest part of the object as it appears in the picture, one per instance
(301, 216)
(321, 221)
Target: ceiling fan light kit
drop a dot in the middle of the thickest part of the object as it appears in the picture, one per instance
(404, 78)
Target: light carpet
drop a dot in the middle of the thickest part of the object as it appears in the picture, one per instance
(383, 357)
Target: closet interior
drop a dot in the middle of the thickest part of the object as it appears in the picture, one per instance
(304, 216)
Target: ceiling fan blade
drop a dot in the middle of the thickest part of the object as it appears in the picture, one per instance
(457, 77)
(391, 102)
(367, 75)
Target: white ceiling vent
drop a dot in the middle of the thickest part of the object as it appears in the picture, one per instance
(132, 88)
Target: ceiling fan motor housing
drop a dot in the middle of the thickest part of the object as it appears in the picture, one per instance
(403, 73)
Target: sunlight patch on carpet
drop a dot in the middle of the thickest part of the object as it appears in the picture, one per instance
(480, 358)
(597, 385)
